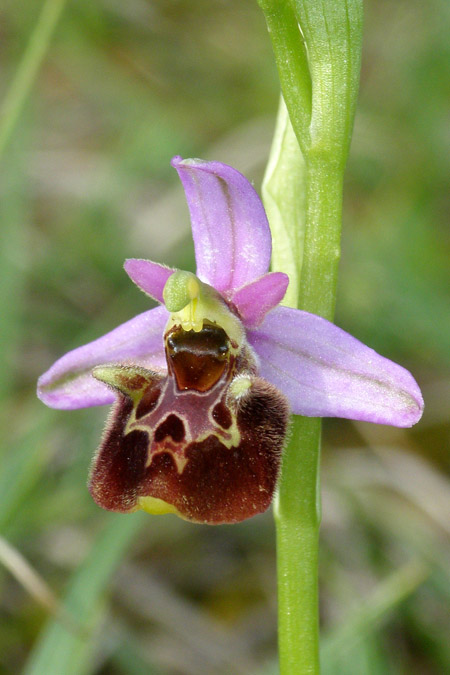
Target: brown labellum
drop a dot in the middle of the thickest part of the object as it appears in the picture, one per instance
(203, 441)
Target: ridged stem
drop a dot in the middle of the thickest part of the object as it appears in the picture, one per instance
(317, 48)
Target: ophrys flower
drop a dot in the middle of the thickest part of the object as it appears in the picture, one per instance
(205, 382)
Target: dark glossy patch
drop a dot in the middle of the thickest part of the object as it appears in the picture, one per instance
(198, 359)
(172, 427)
(222, 415)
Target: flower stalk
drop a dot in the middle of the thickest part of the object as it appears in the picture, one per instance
(317, 48)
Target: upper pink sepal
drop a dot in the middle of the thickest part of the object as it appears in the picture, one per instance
(229, 225)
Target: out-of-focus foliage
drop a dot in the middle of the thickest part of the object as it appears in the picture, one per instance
(86, 182)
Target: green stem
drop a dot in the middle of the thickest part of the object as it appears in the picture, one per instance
(317, 47)
(28, 68)
(321, 247)
(297, 518)
(297, 509)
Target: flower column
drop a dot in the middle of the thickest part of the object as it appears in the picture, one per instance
(317, 47)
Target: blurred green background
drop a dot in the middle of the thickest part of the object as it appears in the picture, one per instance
(86, 182)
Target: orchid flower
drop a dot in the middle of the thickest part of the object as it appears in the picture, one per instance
(204, 384)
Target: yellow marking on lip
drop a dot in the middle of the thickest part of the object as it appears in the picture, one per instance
(155, 506)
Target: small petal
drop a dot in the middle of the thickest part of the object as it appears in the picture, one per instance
(229, 226)
(325, 372)
(254, 300)
(69, 383)
(149, 276)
